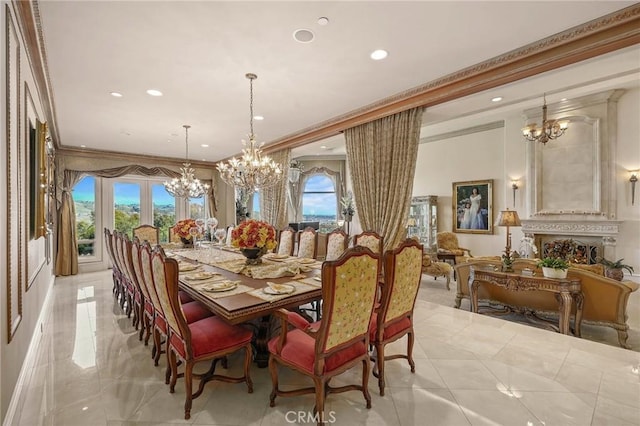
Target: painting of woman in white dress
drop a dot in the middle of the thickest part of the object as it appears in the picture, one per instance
(472, 206)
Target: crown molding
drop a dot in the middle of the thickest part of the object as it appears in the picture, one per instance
(597, 37)
(133, 158)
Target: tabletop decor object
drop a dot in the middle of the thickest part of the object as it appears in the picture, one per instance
(254, 238)
(183, 230)
(508, 218)
(554, 267)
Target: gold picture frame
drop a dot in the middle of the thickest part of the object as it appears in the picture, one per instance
(473, 207)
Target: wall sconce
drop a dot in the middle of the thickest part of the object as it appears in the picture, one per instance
(514, 187)
(633, 178)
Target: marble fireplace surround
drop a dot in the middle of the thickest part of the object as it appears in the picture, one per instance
(572, 192)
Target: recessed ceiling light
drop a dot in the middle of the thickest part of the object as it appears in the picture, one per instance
(204, 145)
(376, 55)
(303, 35)
(496, 99)
(323, 147)
(83, 146)
(323, 20)
(563, 99)
(116, 94)
(258, 117)
(154, 92)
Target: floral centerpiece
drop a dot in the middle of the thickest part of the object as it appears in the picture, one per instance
(183, 229)
(254, 238)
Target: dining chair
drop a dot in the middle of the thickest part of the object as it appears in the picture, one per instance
(138, 293)
(338, 342)
(229, 237)
(208, 339)
(147, 233)
(286, 241)
(115, 273)
(193, 310)
(394, 318)
(337, 242)
(147, 310)
(370, 239)
(126, 302)
(308, 243)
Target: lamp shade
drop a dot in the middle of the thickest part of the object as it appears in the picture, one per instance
(508, 218)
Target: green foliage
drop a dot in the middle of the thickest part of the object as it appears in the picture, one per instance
(616, 265)
(125, 222)
(163, 222)
(553, 262)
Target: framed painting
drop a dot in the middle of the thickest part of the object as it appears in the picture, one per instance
(473, 207)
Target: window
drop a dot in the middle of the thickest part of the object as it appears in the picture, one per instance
(164, 210)
(319, 201)
(84, 197)
(255, 208)
(126, 207)
(196, 208)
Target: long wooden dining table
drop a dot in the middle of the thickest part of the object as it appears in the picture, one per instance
(248, 300)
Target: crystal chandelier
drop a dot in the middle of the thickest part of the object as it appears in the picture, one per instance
(186, 186)
(550, 129)
(253, 170)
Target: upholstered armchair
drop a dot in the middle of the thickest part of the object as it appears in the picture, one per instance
(448, 245)
(340, 341)
(206, 340)
(436, 269)
(394, 319)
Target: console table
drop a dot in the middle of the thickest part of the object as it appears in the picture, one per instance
(566, 292)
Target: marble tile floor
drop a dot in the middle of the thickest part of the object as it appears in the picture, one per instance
(90, 369)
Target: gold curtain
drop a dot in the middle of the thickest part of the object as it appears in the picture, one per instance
(382, 157)
(67, 245)
(273, 200)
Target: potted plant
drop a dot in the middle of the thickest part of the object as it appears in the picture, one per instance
(615, 269)
(554, 267)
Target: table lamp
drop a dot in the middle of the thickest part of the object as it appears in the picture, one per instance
(508, 218)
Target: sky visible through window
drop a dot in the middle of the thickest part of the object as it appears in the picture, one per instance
(319, 198)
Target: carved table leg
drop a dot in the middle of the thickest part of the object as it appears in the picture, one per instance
(262, 339)
(564, 299)
(579, 298)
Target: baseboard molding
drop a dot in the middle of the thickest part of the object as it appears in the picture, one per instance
(30, 357)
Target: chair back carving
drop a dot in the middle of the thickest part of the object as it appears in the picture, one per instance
(165, 278)
(119, 252)
(147, 233)
(349, 288)
(108, 243)
(286, 241)
(370, 239)
(307, 244)
(402, 272)
(337, 242)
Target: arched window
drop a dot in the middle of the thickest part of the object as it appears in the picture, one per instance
(319, 199)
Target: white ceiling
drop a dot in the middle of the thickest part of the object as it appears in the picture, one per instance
(197, 54)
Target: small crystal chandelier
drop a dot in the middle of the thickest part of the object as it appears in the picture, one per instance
(186, 186)
(253, 170)
(550, 129)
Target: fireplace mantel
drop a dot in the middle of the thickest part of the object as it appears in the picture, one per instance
(571, 227)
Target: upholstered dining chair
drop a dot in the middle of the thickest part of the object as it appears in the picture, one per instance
(138, 292)
(448, 245)
(370, 239)
(115, 272)
(126, 302)
(147, 309)
(308, 243)
(337, 242)
(286, 241)
(394, 319)
(193, 310)
(208, 339)
(147, 233)
(324, 349)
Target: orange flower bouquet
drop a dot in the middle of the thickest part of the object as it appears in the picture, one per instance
(254, 234)
(182, 228)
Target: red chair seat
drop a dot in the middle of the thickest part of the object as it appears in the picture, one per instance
(390, 331)
(184, 297)
(300, 351)
(212, 335)
(195, 311)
